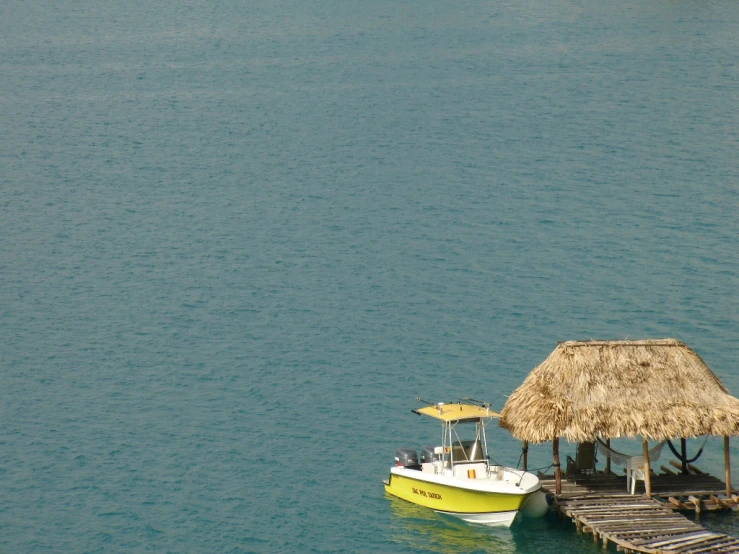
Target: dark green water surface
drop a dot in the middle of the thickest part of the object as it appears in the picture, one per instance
(237, 239)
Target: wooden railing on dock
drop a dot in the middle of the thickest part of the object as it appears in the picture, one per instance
(634, 523)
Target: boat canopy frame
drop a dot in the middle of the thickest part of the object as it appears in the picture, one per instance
(465, 451)
(450, 416)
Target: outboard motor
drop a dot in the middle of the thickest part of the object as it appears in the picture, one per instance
(407, 458)
(428, 456)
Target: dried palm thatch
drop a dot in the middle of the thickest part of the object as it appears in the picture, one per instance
(658, 389)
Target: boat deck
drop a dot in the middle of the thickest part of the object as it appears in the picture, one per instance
(601, 505)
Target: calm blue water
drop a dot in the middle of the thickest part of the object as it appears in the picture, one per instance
(239, 238)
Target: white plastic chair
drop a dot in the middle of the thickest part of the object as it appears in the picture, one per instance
(634, 472)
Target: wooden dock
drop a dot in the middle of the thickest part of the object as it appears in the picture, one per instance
(602, 506)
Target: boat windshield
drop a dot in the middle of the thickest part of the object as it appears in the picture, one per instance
(464, 443)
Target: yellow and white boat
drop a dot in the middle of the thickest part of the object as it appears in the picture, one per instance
(458, 478)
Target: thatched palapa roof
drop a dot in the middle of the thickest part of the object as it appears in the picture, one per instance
(658, 389)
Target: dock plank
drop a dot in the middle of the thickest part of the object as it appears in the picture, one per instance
(635, 523)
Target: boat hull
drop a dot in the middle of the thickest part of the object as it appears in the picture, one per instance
(504, 519)
(475, 506)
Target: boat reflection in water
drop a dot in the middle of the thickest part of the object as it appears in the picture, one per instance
(422, 530)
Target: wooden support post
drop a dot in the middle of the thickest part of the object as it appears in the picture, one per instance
(647, 476)
(727, 466)
(608, 458)
(684, 454)
(525, 453)
(696, 503)
(557, 469)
